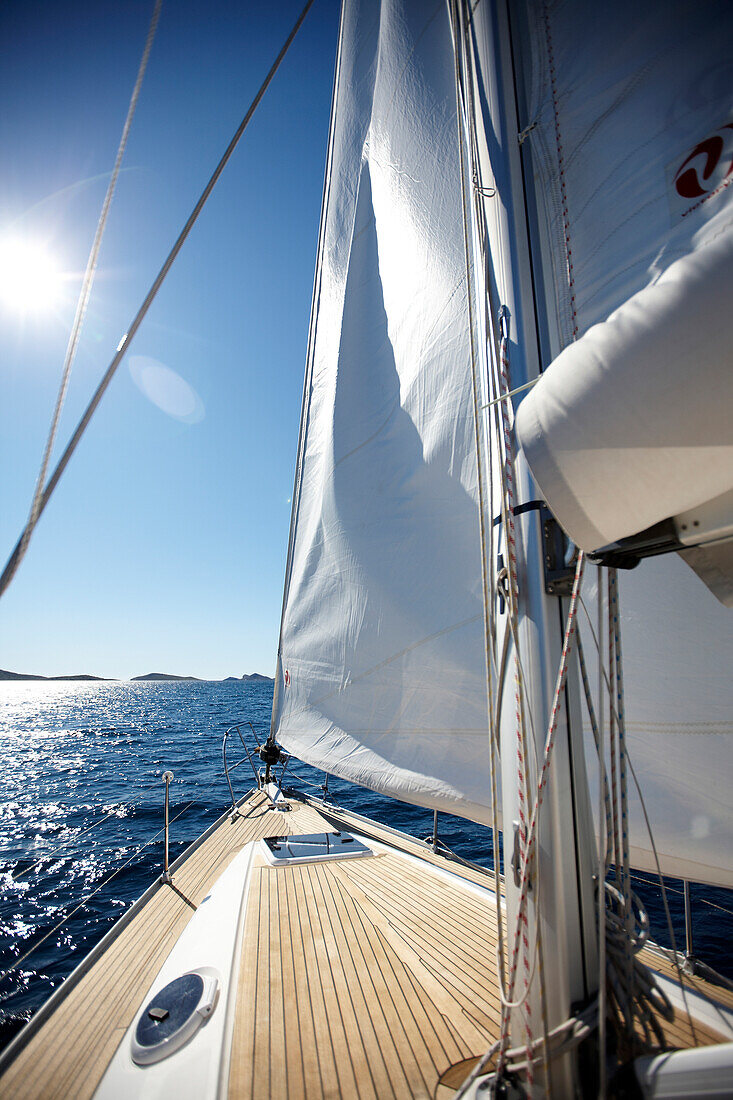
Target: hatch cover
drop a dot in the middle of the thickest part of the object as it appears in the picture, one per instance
(313, 848)
(173, 1015)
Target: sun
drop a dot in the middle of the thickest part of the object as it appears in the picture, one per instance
(30, 278)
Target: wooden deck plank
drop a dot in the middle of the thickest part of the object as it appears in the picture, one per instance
(460, 960)
(302, 1051)
(479, 914)
(408, 1020)
(275, 989)
(356, 984)
(359, 978)
(69, 1054)
(327, 1083)
(439, 903)
(659, 960)
(367, 979)
(376, 993)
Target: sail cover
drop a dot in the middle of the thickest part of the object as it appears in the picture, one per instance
(381, 677)
(632, 145)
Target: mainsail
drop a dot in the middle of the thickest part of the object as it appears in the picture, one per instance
(677, 656)
(381, 674)
(631, 149)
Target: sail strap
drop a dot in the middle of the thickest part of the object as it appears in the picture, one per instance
(42, 498)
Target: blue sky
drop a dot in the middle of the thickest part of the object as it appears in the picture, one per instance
(163, 548)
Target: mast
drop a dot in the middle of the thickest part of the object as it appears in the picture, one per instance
(556, 962)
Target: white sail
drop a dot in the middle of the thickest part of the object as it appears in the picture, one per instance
(632, 156)
(381, 676)
(677, 655)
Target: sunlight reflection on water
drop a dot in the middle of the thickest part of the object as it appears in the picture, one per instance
(78, 753)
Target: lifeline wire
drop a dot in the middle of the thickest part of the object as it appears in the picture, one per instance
(126, 340)
(67, 846)
(85, 901)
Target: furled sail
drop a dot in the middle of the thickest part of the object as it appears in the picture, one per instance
(381, 676)
(632, 157)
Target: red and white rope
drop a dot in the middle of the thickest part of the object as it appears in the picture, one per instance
(522, 752)
(570, 630)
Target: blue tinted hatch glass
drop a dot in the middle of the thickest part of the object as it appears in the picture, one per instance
(169, 1010)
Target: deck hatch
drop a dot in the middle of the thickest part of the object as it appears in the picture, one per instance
(313, 847)
(173, 1015)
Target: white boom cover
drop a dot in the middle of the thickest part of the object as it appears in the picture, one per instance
(381, 677)
(633, 149)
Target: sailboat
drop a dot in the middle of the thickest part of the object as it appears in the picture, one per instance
(507, 598)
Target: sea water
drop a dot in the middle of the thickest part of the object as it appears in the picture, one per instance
(81, 811)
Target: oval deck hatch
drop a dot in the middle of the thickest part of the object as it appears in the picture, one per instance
(173, 1015)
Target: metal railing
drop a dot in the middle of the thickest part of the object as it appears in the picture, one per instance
(166, 876)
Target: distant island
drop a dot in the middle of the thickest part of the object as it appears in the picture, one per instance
(252, 677)
(165, 676)
(5, 675)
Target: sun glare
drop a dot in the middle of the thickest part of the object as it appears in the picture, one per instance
(30, 280)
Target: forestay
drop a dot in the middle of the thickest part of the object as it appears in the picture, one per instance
(381, 677)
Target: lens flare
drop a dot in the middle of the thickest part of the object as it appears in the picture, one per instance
(166, 389)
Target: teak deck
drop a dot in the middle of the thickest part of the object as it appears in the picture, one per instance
(358, 978)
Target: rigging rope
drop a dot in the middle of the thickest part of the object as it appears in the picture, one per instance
(45, 495)
(674, 890)
(632, 983)
(497, 349)
(463, 115)
(529, 854)
(81, 308)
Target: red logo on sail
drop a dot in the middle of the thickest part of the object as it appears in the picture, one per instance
(286, 678)
(708, 168)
